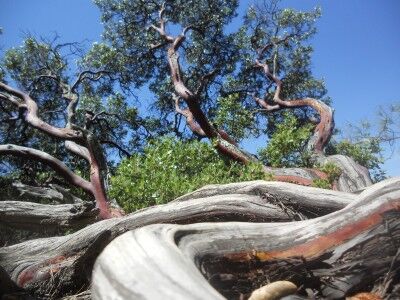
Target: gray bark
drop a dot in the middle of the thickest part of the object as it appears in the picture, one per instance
(36, 217)
(63, 264)
(342, 253)
(53, 194)
(354, 177)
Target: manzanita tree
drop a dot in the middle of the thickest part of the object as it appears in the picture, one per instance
(225, 83)
(220, 81)
(44, 111)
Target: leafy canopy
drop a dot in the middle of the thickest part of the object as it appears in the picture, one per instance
(287, 145)
(169, 168)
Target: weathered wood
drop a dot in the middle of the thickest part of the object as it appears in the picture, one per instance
(36, 217)
(353, 178)
(46, 195)
(335, 255)
(309, 201)
(63, 264)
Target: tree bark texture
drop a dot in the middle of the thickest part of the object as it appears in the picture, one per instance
(36, 217)
(336, 255)
(51, 194)
(216, 260)
(63, 264)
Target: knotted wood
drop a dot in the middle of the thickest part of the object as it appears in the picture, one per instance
(336, 255)
(64, 264)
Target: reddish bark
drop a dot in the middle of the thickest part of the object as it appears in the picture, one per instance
(54, 163)
(322, 244)
(324, 129)
(226, 145)
(77, 140)
(293, 179)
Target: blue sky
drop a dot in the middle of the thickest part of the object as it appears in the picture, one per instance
(356, 48)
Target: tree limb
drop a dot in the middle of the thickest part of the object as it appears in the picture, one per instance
(336, 255)
(38, 217)
(32, 118)
(67, 260)
(115, 145)
(49, 160)
(88, 75)
(323, 131)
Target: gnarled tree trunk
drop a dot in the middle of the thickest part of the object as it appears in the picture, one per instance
(337, 255)
(233, 257)
(353, 178)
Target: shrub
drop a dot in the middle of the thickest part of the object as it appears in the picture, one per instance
(322, 184)
(168, 169)
(286, 147)
(331, 170)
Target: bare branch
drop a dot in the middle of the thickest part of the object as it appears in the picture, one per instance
(190, 120)
(77, 149)
(195, 117)
(283, 40)
(157, 46)
(161, 29)
(49, 160)
(31, 115)
(10, 98)
(204, 80)
(115, 145)
(40, 77)
(265, 105)
(323, 131)
(88, 75)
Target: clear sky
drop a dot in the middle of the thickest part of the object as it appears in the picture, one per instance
(357, 47)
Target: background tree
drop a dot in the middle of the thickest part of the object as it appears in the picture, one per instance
(201, 72)
(373, 141)
(41, 71)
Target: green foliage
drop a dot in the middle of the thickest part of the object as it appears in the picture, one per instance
(33, 58)
(332, 170)
(322, 184)
(364, 152)
(233, 117)
(286, 147)
(209, 47)
(169, 168)
(367, 153)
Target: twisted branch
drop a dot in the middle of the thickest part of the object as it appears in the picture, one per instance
(49, 160)
(324, 129)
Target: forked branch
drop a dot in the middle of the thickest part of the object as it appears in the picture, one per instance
(324, 129)
(31, 115)
(196, 118)
(77, 140)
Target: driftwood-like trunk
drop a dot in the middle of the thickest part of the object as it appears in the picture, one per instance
(28, 212)
(59, 265)
(180, 262)
(37, 217)
(348, 251)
